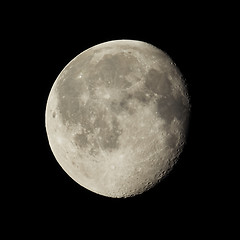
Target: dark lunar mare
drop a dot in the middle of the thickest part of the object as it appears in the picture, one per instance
(110, 73)
(74, 112)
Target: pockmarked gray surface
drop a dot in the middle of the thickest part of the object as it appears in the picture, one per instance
(117, 117)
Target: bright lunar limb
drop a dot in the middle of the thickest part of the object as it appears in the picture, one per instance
(117, 117)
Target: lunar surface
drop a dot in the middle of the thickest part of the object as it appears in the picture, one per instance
(117, 117)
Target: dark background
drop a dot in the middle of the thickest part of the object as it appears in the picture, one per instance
(43, 40)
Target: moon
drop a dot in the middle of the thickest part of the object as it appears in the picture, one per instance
(117, 117)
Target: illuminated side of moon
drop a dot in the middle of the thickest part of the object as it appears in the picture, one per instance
(117, 117)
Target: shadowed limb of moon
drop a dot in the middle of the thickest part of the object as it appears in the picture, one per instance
(117, 117)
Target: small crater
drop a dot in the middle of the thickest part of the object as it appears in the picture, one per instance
(54, 114)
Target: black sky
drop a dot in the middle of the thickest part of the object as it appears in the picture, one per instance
(43, 41)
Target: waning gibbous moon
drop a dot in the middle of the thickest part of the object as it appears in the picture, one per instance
(117, 117)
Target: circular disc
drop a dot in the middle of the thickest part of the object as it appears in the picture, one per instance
(117, 117)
